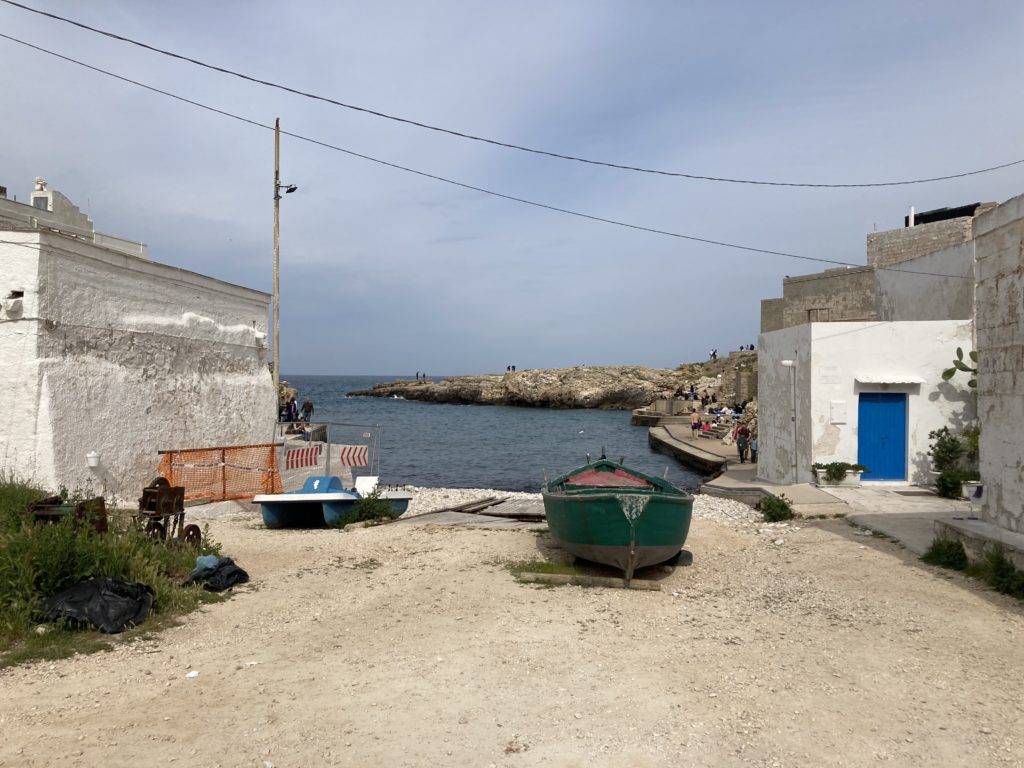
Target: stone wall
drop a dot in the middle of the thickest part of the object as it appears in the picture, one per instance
(999, 248)
(896, 245)
(772, 314)
(936, 286)
(834, 295)
(116, 354)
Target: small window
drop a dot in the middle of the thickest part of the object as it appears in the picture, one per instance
(41, 203)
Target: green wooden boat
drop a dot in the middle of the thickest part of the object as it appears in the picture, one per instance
(609, 514)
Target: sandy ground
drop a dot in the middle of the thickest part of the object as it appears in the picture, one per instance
(785, 645)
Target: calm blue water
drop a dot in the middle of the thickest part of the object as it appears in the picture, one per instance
(479, 446)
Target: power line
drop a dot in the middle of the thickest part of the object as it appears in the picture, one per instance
(495, 142)
(463, 185)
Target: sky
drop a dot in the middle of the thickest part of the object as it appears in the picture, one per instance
(384, 271)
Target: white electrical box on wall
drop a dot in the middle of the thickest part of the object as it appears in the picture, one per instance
(837, 411)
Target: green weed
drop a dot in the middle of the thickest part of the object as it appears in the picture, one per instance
(775, 509)
(37, 561)
(946, 553)
(997, 570)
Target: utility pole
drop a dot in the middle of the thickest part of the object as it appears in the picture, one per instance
(277, 257)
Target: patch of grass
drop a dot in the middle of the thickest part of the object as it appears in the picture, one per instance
(38, 561)
(544, 566)
(370, 564)
(775, 509)
(946, 553)
(999, 572)
(994, 568)
(371, 508)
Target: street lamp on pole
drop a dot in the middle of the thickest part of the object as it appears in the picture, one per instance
(791, 364)
(288, 189)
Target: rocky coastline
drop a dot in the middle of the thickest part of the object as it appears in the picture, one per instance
(602, 387)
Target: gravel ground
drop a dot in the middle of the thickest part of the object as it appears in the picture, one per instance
(801, 644)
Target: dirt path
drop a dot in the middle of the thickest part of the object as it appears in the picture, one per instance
(413, 646)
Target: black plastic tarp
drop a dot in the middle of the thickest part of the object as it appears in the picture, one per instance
(110, 605)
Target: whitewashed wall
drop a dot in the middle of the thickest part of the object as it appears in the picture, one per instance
(19, 370)
(843, 352)
(999, 243)
(830, 358)
(132, 357)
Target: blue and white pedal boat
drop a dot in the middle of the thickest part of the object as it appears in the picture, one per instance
(321, 501)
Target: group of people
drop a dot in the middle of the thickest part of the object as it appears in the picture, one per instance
(746, 347)
(510, 369)
(742, 435)
(421, 376)
(288, 411)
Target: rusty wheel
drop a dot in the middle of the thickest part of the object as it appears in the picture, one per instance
(159, 482)
(156, 531)
(192, 535)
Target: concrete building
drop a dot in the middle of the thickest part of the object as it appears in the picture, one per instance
(104, 351)
(900, 262)
(865, 348)
(999, 243)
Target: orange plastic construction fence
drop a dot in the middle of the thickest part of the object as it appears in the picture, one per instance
(219, 474)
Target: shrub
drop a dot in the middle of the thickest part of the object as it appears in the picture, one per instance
(947, 484)
(370, 508)
(996, 570)
(775, 509)
(37, 561)
(946, 553)
(947, 449)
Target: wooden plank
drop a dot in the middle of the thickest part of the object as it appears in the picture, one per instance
(588, 581)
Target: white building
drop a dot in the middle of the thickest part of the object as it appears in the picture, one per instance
(868, 389)
(861, 392)
(102, 350)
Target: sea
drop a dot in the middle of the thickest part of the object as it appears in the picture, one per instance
(477, 446)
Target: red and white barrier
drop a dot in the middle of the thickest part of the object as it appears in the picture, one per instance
(297, 458)
(354, 456)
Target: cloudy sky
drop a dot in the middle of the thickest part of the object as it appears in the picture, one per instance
(388, 272)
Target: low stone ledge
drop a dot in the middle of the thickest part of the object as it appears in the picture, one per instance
(977, 535)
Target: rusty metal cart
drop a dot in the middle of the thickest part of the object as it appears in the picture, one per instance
(53, 509)
(162, 511)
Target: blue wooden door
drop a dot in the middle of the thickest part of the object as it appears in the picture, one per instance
(882, 435)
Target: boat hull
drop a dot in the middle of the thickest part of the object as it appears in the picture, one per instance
(593, 526)
(322, 501)
(607, 514)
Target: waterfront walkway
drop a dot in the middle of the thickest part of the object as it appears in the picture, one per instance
(912, 515)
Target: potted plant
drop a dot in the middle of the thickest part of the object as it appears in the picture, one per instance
(839, 473)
